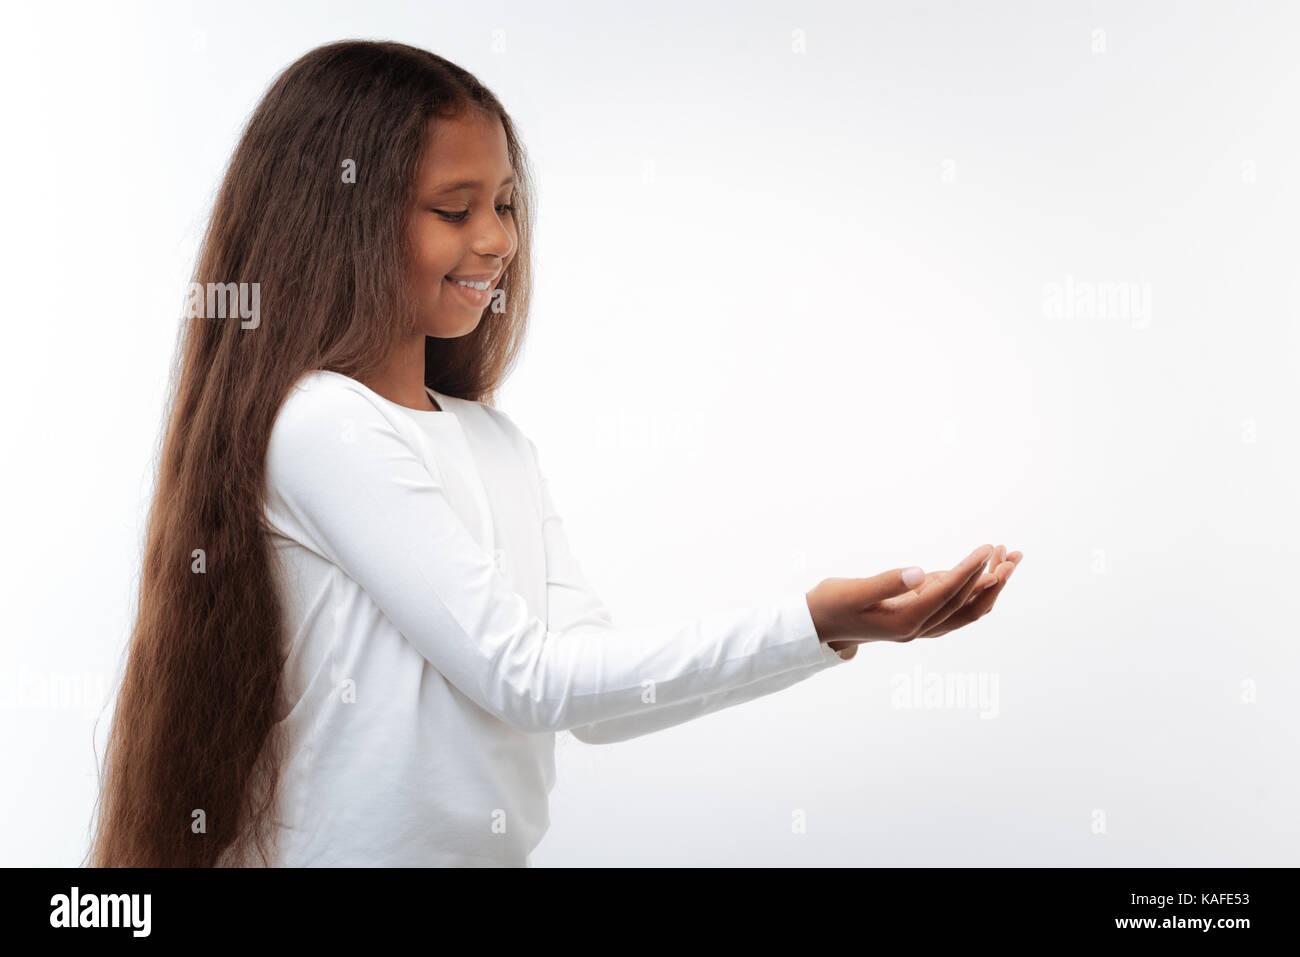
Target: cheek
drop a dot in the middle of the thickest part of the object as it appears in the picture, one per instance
(432, 257)
(427, 283)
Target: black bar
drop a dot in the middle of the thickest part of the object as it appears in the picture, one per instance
(926, 905)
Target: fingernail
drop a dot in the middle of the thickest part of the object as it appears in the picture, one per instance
(913, 576)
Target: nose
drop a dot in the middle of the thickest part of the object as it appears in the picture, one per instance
(494, 236)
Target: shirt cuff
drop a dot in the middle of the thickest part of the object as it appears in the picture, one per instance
(801, 621)
(832, 655)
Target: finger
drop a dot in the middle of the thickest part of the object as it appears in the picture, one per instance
(958, 619)
(951, 594)
(896, 581)
(997, 573)
(978, 605)
(983, 601)
(956, 602)
(901, 603)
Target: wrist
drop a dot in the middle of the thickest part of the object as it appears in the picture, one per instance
(825, 632)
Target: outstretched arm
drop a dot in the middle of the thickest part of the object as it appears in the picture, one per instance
(356, 490)
(570, 601)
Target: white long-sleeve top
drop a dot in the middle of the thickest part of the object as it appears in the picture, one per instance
(440, 633)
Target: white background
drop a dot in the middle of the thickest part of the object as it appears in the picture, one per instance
(791, 322)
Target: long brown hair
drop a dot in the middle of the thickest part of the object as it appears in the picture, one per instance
(193, 758)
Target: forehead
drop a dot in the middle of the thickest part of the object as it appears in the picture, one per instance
(471, 147)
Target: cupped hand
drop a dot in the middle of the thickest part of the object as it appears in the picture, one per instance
(982, 596)
(885, 607)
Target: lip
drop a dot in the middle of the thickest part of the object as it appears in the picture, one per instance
(479, 278)
(472, 297)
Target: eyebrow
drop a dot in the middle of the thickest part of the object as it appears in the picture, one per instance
(468, 184)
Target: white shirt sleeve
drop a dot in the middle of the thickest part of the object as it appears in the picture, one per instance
(571, 601)
(362, 497)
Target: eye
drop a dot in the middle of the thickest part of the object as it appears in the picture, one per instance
(459, 215)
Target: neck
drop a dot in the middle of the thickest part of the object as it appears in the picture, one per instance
(402, 379)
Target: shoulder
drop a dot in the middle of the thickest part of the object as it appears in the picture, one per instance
(492, 420)
(503, 421)
(321, 401)
(324, 414)
(320, 388)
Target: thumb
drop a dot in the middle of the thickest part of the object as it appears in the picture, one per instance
(896, 581)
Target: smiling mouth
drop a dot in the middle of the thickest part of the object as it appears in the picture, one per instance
(473, 292)
(480, 285)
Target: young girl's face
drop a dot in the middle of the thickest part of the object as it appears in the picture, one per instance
(462, 227)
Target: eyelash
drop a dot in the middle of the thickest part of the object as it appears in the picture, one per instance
(460, 216)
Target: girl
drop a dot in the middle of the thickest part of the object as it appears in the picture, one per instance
(360, 625)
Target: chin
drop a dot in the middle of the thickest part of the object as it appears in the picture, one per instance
(447, 328)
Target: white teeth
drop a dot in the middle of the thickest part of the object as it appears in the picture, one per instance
(480, 286)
